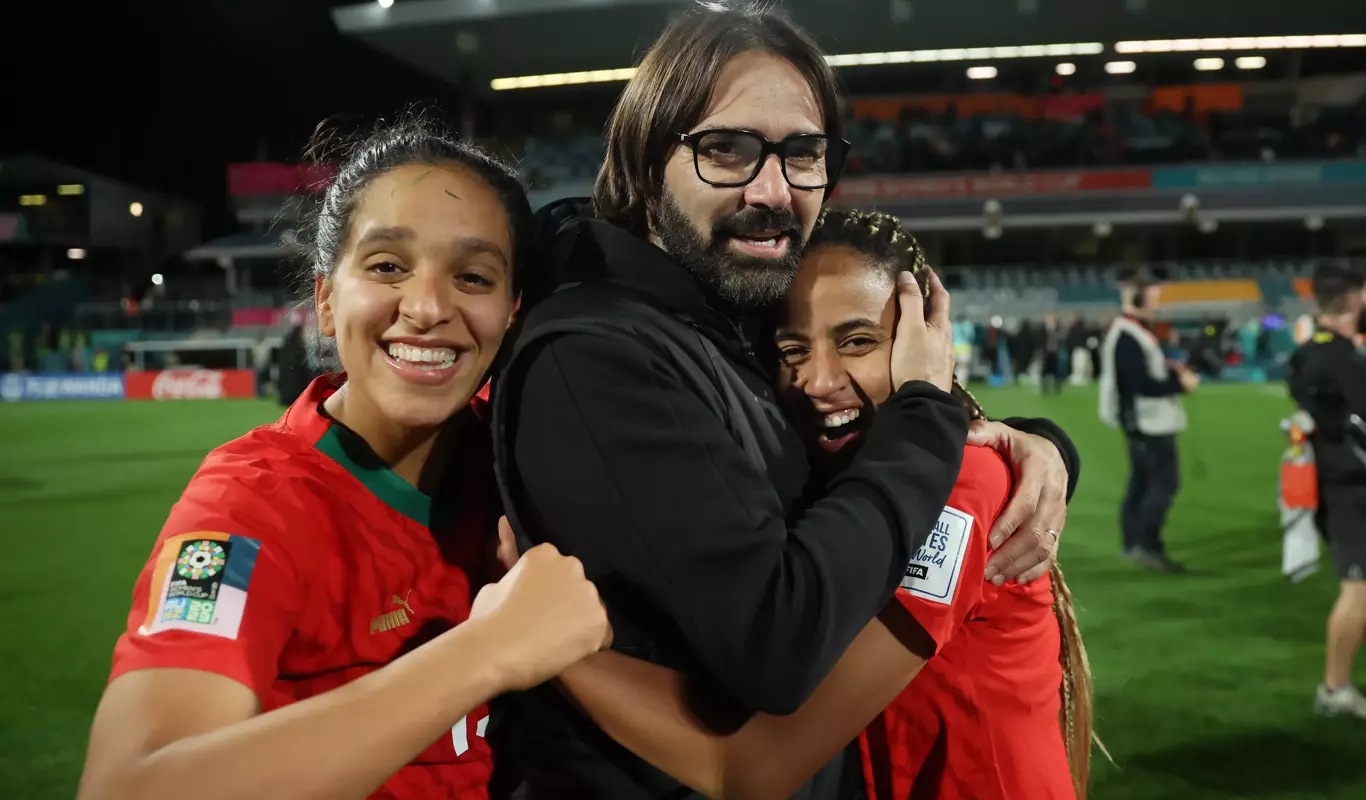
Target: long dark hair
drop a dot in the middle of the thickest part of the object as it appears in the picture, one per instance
(670, 92)
(891, 248)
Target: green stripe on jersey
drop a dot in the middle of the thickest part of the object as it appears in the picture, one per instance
(391, 490)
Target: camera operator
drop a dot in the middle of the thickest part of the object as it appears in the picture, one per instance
(1327, 379)
(1140, 394)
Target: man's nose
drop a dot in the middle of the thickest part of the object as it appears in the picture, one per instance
(769, 188)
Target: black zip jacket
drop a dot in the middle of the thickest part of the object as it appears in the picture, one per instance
(1327, 378)
(636, 429)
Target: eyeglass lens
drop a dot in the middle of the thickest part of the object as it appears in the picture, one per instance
(732, 158)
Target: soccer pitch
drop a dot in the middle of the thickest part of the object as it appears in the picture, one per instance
(1204, 681)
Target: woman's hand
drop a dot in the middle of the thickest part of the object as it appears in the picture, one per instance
(923, 348)
(1027, 531)
(546, 614)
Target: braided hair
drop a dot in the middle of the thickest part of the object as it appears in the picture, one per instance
(889, 247)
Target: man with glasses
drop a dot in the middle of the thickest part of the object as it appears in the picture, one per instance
(636, 425)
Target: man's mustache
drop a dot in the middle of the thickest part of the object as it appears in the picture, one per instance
(749, 220)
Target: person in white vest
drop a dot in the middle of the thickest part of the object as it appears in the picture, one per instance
(1140, 393)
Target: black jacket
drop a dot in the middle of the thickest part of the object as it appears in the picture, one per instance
(1327, 378)
(636, 429)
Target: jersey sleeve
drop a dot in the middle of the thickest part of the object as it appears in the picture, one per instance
(944, 580)
(219, 593)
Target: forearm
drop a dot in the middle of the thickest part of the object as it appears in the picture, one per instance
(854, 544)
(766, 600)
(344, 743)
(644, 707)
(773, 756)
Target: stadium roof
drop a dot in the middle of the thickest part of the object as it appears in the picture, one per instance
(471, 42)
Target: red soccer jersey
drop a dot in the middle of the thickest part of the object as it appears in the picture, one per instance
(980, 721)
(296, 562)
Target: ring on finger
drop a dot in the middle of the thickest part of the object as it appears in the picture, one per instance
(1052, 532)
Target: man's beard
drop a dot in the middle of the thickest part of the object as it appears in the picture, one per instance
(745, 282)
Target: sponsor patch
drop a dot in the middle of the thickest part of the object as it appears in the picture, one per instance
(934, 569)
(200, 582)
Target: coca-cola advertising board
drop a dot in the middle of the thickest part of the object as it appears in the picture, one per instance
(190, 384)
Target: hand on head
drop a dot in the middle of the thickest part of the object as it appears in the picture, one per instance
(923, 347)
(545, 612)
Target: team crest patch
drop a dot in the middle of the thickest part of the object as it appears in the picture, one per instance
(934, 569)
(200, 584)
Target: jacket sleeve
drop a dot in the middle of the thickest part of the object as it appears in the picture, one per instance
(622, 464)
(1350, 370)
(1131, 372)
(1049, 430)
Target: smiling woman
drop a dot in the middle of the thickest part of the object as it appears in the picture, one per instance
(984, 691)
(306, 557)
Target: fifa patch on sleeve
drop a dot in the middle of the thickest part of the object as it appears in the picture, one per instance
(934, 569)
(200, 584)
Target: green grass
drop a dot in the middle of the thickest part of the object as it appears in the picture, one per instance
(1204, 681)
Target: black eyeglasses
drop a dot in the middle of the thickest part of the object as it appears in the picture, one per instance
(730, 158)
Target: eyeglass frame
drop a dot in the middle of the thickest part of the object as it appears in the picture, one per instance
(768, 148)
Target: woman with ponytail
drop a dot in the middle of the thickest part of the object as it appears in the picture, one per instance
(310, 622)
(960, 689)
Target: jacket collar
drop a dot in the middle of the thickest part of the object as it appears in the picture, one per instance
(578, 249)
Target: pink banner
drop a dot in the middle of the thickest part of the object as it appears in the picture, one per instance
(1070, 106)
(995, 184)
(264, 177)
(257, 317)
(10, 226)
(272, 317)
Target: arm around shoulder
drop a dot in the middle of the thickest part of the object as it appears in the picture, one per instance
(619, 461)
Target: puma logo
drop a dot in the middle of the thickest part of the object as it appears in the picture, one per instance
(393, 619)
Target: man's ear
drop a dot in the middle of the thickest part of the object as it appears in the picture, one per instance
(322, 305)
(516, 307)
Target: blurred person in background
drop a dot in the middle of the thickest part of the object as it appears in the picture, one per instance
(1052, 344)
(16, 351)
(261, 353)
(1249, 338)
(999, 696)
(292, 373)
(637, 426)
(964, 337)
(1327, 379)
(1079, 364)
(308, 618)
(1140, 393)
(1024, 347)
(992, 346)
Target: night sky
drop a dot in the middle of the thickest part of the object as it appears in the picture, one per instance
(164, 94)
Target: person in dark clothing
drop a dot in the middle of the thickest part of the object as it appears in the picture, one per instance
(636, 425)
(293, 371)
(1023, 345)
(1140, 394)
(1051, 377)
(1327, 379)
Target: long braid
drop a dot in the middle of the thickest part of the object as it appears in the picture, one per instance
(882, 238)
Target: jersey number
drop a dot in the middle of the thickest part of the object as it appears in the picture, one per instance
(460, 736)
